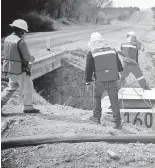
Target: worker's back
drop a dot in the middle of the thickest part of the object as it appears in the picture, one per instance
(105, 64)
(130, 50)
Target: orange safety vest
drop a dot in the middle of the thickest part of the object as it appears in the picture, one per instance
(130, 51)
(105, 64)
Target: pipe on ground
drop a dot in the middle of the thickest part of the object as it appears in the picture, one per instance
(74, 138)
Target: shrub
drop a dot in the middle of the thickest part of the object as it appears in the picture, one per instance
(38, 22)
(109, 19)
(153, 8)
(123, 16)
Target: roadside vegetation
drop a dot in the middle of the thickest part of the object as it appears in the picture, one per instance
(40, 14)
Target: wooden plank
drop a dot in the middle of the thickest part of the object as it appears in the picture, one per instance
(129, 103)
(134, 110)
(145, 117)
(130, 93)
(136, 104)
(135, 97)
(131, 100)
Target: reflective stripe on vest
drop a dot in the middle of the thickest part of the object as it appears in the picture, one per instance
(105, 65)
(130, 50)
(103, 53)
(129, 46)
(12, 63)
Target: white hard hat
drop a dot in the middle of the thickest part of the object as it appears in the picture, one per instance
(131, 33)
(96, 41)
(20, 24)
(96, 36)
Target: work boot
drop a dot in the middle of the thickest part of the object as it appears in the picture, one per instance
(32, 111)
(118, 125)
(95, 120)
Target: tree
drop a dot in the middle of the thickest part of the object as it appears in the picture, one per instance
(102, 3)
(153, 8)
(95, 6)
(54, 7)
(37, 5)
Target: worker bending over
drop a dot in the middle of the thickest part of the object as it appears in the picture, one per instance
(129, 50)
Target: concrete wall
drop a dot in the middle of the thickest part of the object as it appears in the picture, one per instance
(66, 84)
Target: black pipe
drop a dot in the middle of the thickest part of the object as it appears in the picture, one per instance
(74, 138)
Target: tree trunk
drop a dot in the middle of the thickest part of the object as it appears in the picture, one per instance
(59, 12)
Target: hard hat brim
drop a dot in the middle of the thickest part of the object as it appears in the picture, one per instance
(18, 27)
(130, 35)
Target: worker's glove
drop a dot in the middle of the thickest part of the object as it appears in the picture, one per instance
(88, 86)
(30, 65)
(119, 76)
(32, 61)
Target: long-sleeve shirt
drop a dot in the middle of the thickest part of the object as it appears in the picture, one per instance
(90, 67)
(139, 46)
(24, 51)
(16, 55)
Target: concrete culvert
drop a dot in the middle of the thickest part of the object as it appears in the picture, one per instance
(66, 85)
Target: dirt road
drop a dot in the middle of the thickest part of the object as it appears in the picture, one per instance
(71, 38)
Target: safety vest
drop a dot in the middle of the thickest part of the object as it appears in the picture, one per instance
(105, 64)
(11, 62)
(130, 51)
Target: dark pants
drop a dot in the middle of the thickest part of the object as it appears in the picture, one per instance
(136, 71)
(111, 88)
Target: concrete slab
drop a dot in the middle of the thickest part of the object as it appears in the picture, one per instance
(135, 110)
(132, 100)
(136, 93)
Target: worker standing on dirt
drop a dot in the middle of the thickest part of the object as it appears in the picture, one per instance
(129, 50)
(16, 65)
(103, 62)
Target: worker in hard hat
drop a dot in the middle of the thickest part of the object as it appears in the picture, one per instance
(129, 50)
(16, 65)
(103, 63)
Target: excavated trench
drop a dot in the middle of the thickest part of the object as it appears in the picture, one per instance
(66, 85)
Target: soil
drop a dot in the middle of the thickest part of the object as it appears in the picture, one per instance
(63, 119)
